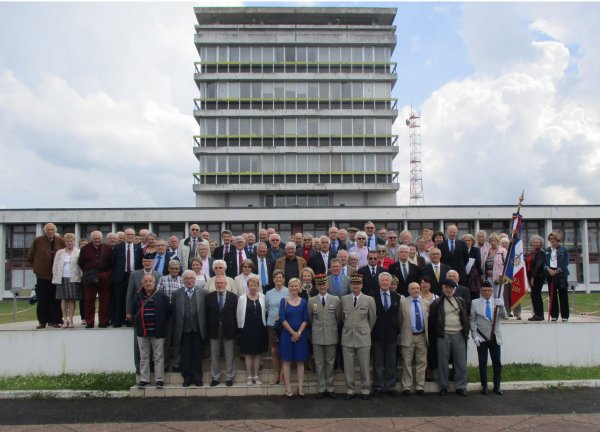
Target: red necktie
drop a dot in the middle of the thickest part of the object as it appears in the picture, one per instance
(128, 258)
(240, 261)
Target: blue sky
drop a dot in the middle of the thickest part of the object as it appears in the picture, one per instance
(96, 102)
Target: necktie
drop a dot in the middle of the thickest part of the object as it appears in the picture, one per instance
(263, 273)
(488, 310)
(373, 272)
(354, 301)
(436, 270)
(193, 251)
(323, 301)
(369, 242)
(386, 303)
(344, 271)
(418, 323)
(221, 301)
(452, 246)
(226, 248)
(189, 293)
(157, 265)
(404, 273)
(240, 261)
(336, 285)
(128, 258)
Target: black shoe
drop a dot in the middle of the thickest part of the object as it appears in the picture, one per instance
(89, 326)
(213, 383)
(461, 392)
(159, 384)
(406, 392)
(376, 393)
(117, 325)
(498, 391)
(176, 369)
(128, 323)
(365, 397)
(484, 391)
(187, 383)
(41, 326)
(320, 395)
(105, 325)
(198, 383)
(420, 393)
(535, 318)
(392, 393)
(142, 385)
(331, 395)
(444, 392)
(229, 383)
(349, 396)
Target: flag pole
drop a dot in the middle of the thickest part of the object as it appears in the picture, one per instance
(508, 253)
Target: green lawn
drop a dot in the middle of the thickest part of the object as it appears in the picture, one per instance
(25, 311)
(580, 303)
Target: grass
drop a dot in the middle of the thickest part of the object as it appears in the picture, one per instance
(85, 381)
(538, 372)
(579, 303)
(25, 311)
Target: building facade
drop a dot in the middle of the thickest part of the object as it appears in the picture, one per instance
(295, 107)
(579, 225)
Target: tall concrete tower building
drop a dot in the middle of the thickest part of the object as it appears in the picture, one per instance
(295, 107)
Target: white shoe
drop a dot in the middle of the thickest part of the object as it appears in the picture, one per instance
(249, 381)
(257, 380)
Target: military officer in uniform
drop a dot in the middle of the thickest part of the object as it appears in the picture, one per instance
(324, 313)
(359, 315)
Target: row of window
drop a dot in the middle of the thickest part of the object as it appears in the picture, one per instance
(293, 141)
(371, 104)
(319, 68)
(262, 179)
(291, 126)
(278, 54)
(297, 200)
(334, 90)
(295, 163)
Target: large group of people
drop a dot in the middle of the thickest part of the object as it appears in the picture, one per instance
(353, 298)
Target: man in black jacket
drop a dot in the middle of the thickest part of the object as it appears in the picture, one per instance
(221, 307)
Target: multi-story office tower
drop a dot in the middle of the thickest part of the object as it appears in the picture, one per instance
(295, 107)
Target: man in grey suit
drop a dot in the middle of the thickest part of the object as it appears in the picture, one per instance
(359, 316)
(324, 314)
(414, 313)
(134, 286)
(482, 316)
(189, 328)
(339, 285)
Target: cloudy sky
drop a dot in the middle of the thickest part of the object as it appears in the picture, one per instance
(96, 102)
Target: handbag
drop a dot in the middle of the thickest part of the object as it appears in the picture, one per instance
(90, 277)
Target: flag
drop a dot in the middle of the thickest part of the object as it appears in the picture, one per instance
(516, 273)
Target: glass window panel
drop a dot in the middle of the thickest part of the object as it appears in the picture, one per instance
(245, 164)
(381, 162)
(334, 54)
(290, 90)
(211, 126)
(324, 91)
(222, 90)
(255, 164)
(245, 126)
(302, 90)
(336, 126)
(211, 54)
(245, 54)
(357, 90)
(368, 54)
(346, 90)
(222, 127)
(278, 88)
(313, 91)
(234, 54)
(302, 201)
(256, 55)
(346, 54)
(267, 53)
(268, 126)
(302, 126)
(311, 54)
(301, 54)
(278, 126)
(222, 163)
(381, 90)
(369, 162)
(369, 126)
(267, 90)
(347, 162)
(368, 88)
(301, 163)
(256, 123)
(267, 163)
(323, 200)
(234, 163)
(313, 126)
(323, 54)
(358, 163)
(211, 90)
(290, 54)
(335, 89)
(357, 55)
(382, 127)
(234, 90)
(313, 163)
(312, 201)
(323, 126)
(358, 126)
(256, 91)
(347, 126)
(279, 163)
(234, 126)
(380, 54)
(324, 162)
(290, 126)
(245, 90)
(279, 54)
(336, 162)
(290, 163)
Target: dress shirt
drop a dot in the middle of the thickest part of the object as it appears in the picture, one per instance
(373, 270)
(168, 284)
(383, 295)
(161, 264)
(372, 242)
(553, 258)
(325, 259)
(129, 247)
(323, 299)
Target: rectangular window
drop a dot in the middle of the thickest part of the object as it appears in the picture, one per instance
(324, 126)
(211, 54)
(234, 163)
(290, 90)
(234, 54)
(267, 53)
(267, 90)
(267, 163)
(245, 54)
(245, 126)
(368, 54)
(234, 90)
(313, 91)
(369, 162)
(211, 127)
(256, 123)
(313, 163)
(358, 127)
(222, 127)
(290, 163)
(347, 163)
(279, 90)
(336, 126)
(311, 54)
(279, 126)
(301, 54)
(357, 90)
(290, 126)
(346, 90)
(268, 126)
(211, 90)
(256, 55)
(302, 131)
(369, 126)
(256, 90)
(313, 126)
(234, 126)
(381, 90)
(290, 54)
(302, 90)
(324, 91)
(334, 55)
(279, 54)
(369, 90)
(210, 164)
(335, 90)
(302, 163)
(382, 127)
(222, 90)
(347, 126)
(357, 55)
(323, 54)
(245, 90)
(380, 54)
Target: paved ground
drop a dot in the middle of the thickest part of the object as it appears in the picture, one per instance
(549, 410)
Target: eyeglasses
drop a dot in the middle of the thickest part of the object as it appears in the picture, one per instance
(390, 237)
(246, 266)
(381, 251)
(218, 268)
(360, 238)
(372, 258)
(194, 229)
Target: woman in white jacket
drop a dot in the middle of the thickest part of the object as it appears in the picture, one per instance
(66, 275)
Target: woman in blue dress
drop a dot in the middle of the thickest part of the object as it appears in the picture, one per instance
(293, 342)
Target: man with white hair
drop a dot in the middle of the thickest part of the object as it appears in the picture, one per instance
(188, 248)
(290, 264)
(455, 253)
(319, 260)
(275, 250)
(237, 256)
(220, 269)
(41, 257)
(126, 258)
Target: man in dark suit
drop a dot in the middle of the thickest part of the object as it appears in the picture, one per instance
(334, 243)
(125, 259)
(370, 274)
(384, 337)
(221, 306)
(372, 239)
(319, 261)
(161, 259)
(237, 256)
(221, 251)
(404, 270)
(455, 253)
(436, 271)
(265, 267)
(189, 327)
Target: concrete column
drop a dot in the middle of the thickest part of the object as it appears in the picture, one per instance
(476, 226)
(39, 229)
(77, 233)
(585, 255)
(113, 227)
(186, 230)
(404, 225)
(441, 225)
(3, 259)
(150, 228)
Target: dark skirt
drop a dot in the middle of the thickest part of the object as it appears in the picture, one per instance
(254, 334)
(68, 290)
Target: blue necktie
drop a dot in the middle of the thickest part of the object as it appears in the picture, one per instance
(369, 242)
(452, 246)
(336, 285)
(221, 301)
(263, 273)
(386, 304)
(488, 310)
(157, 265)
(418, 323)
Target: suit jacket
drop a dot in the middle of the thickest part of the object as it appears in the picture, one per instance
(316, 262)
(135, 286)
(344, 285)
(358, 321)
(386, 327)
(414, 275)
(324, 320)
(436, 286)
(232, 262)
(457, 260)
(225, 317)
(177, 307)
(118, 261)
(464, 293)
(270, 266)
(341, 246)
(250, 249)
(183, 251)
(370, 283)
(480, 325)
(218, 253)
(405, 320)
